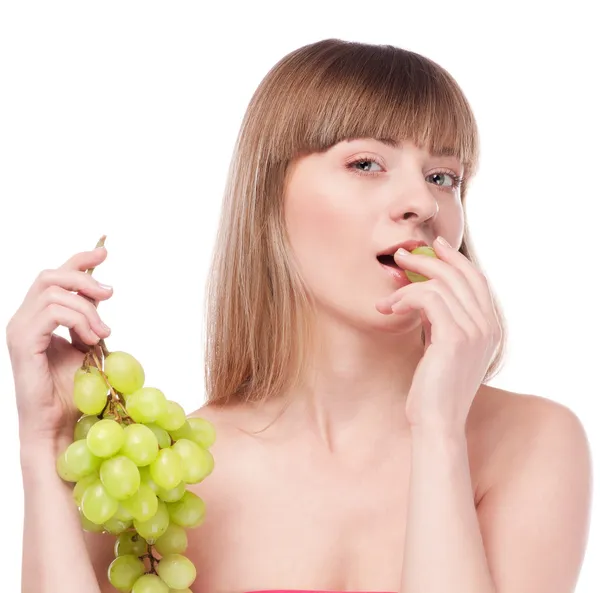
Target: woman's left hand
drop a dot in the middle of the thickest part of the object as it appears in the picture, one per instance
(462, 333)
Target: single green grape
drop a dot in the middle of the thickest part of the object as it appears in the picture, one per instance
(140, 445)
(172, 418)
(64, 471)
(147, 479)
(150, 583)
(184, 432)
(177, 571)
(196, 462)
(186, 590)
(146, 404)
(173, 541)
(172, 495)
(124, 571)
(124, 372)
(122, 514)
(115, 526)
(130, 542)
(87, 525)
(83, 427)
(143, 505)
(120, 477)
(89, 390)
(166, 470)
(81, 487)
(154, 527)
(422, 250)
(79, 460)
(162, 436)
(105, 438)
(203, 432)
(189, 511)
(97, 505)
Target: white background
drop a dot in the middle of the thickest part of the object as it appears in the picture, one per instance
(120, 117)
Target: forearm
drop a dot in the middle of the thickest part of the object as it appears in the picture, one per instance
(55, 557)
(444, 550)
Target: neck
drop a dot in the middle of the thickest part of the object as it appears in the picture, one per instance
(356, 384)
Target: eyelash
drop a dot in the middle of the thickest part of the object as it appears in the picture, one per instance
(457, 180)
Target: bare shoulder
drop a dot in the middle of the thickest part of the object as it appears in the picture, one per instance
(534, 515)
(236, 447)
(506, 426)
(241, 480)
(512, 414)
(234, 423)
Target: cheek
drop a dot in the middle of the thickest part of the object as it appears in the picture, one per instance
(317, 218)
(308, 215)
(451, 223)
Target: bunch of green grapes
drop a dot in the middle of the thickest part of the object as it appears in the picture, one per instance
(133, 456)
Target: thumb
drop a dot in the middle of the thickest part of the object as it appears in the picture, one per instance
(76, 342)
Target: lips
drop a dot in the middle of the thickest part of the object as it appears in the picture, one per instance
(386, 257)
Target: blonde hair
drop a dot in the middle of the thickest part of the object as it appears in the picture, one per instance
(258, 308)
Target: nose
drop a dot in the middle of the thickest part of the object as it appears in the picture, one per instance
(414, 201)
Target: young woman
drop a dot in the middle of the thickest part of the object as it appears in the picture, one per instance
(359, 447)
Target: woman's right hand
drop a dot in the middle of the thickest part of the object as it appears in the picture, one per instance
(43, 363)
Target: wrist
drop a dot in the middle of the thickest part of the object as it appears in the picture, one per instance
(41, 450)
(438, 432)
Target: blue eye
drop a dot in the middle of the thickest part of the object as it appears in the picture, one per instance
(444, 179)
(365, 166)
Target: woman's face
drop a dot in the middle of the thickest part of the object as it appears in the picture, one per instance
(358, 199)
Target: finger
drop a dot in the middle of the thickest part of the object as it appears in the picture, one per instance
(77, 342)
(55, 315)
(85, 260)
(474, 277)
(440, 268)
(441, 307)
(71, 280)
(55, 295)
(426, 324)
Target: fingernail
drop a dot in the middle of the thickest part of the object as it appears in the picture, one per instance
(105, 327)
(442, 241)
(105, 286)
(401, 251)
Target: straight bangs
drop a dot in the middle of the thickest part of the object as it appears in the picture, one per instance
(357, 91)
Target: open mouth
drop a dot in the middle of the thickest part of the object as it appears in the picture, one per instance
(386, 258)
(388, 261)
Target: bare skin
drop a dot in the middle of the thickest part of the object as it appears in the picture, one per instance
(320, 499)
(286, 512)
(290, 513)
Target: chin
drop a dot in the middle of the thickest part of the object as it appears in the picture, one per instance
(397, 324)
(366, 318)
(392, 324)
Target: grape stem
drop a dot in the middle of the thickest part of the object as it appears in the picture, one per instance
(90, 271)
(114, 401)
(152, 558)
